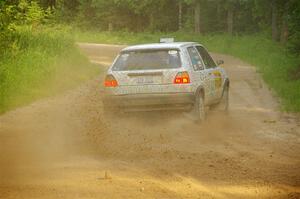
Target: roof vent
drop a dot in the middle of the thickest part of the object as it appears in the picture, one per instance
(166, 40)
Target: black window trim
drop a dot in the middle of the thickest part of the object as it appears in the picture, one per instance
(216, 66)
(189, 56)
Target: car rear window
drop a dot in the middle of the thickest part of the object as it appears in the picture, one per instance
(147, 60)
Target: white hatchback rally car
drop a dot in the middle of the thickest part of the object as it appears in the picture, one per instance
(166, 76)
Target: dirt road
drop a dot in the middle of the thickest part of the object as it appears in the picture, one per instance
(64, 147)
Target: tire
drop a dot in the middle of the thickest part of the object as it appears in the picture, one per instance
(199, 108)
(223, 105)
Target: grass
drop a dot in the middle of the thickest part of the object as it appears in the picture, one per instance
(38, 63)
(271, 59)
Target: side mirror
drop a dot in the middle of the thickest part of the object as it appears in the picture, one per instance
(220, 62)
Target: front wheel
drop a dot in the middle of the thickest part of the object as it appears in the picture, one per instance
(223, 105)
(199, 108)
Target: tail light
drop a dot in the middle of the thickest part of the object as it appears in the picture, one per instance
(110, 81)
(182, 78)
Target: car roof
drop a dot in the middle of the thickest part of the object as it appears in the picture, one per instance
(155, 46)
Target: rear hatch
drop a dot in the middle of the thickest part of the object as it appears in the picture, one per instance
(146, 67)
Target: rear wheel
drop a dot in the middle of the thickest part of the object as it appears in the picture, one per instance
(199, 108)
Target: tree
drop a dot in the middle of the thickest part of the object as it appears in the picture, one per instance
(274, 20)
(48, 3)
(294, 26)
(284, 23)
(197, 16)
(180, 15)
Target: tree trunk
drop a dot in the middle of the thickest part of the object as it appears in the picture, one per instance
(219, 16)
(180, 16)
(52, 4)
(284, 32)
(197, 17)
(110, 27)
(284, 26)
(151, 21)
(274, 21)
(230, 20)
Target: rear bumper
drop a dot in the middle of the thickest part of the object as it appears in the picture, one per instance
(148, 102)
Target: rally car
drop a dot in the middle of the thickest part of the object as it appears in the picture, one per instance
(166, 76)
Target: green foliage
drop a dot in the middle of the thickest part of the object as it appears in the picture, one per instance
(13, 15)
(249, 16)
(271, 59)
(131, 15)
(158, 15)
(294, 26)
(42, 63)
(23, 13)
(36, 60)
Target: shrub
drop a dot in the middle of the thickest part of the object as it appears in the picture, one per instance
(38, 63)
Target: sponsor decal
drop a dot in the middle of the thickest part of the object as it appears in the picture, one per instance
(218, 79)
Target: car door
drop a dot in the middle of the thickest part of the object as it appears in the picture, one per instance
(199, 75)
(213, 71)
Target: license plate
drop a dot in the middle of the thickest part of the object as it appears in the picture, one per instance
(145, 80)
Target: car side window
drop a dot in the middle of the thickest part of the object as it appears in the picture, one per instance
(208, 61)
(195, 58)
